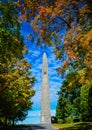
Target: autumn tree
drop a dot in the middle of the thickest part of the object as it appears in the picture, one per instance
(17, 91)
(15, 79)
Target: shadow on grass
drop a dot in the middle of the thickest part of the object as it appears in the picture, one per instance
(22, 127)
(81, 126)
(36, 127)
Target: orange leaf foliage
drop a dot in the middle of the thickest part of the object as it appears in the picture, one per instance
(75, 16)
(42, 11)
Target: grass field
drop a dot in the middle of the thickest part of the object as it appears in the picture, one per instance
(74, 126)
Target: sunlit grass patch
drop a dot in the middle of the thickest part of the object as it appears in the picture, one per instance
(74, 126)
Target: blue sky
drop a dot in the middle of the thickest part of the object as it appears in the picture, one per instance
(34, 57)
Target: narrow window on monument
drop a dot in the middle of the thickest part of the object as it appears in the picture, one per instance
(44, 73)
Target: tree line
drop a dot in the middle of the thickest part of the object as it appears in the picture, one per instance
(16, 81)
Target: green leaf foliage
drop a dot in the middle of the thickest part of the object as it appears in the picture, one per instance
(11, 41)
(86, 102)
(75, 99)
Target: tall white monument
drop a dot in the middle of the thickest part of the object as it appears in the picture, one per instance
(45, 95)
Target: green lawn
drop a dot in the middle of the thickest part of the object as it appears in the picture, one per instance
(74, 126)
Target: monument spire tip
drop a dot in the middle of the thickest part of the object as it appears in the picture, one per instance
(44, 54)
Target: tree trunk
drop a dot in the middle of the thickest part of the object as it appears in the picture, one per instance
(5, 121)
(13, 120)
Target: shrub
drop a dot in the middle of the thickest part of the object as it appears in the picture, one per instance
(69, 119)
(60, 121)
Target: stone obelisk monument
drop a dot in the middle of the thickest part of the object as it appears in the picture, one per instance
(45, 95)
